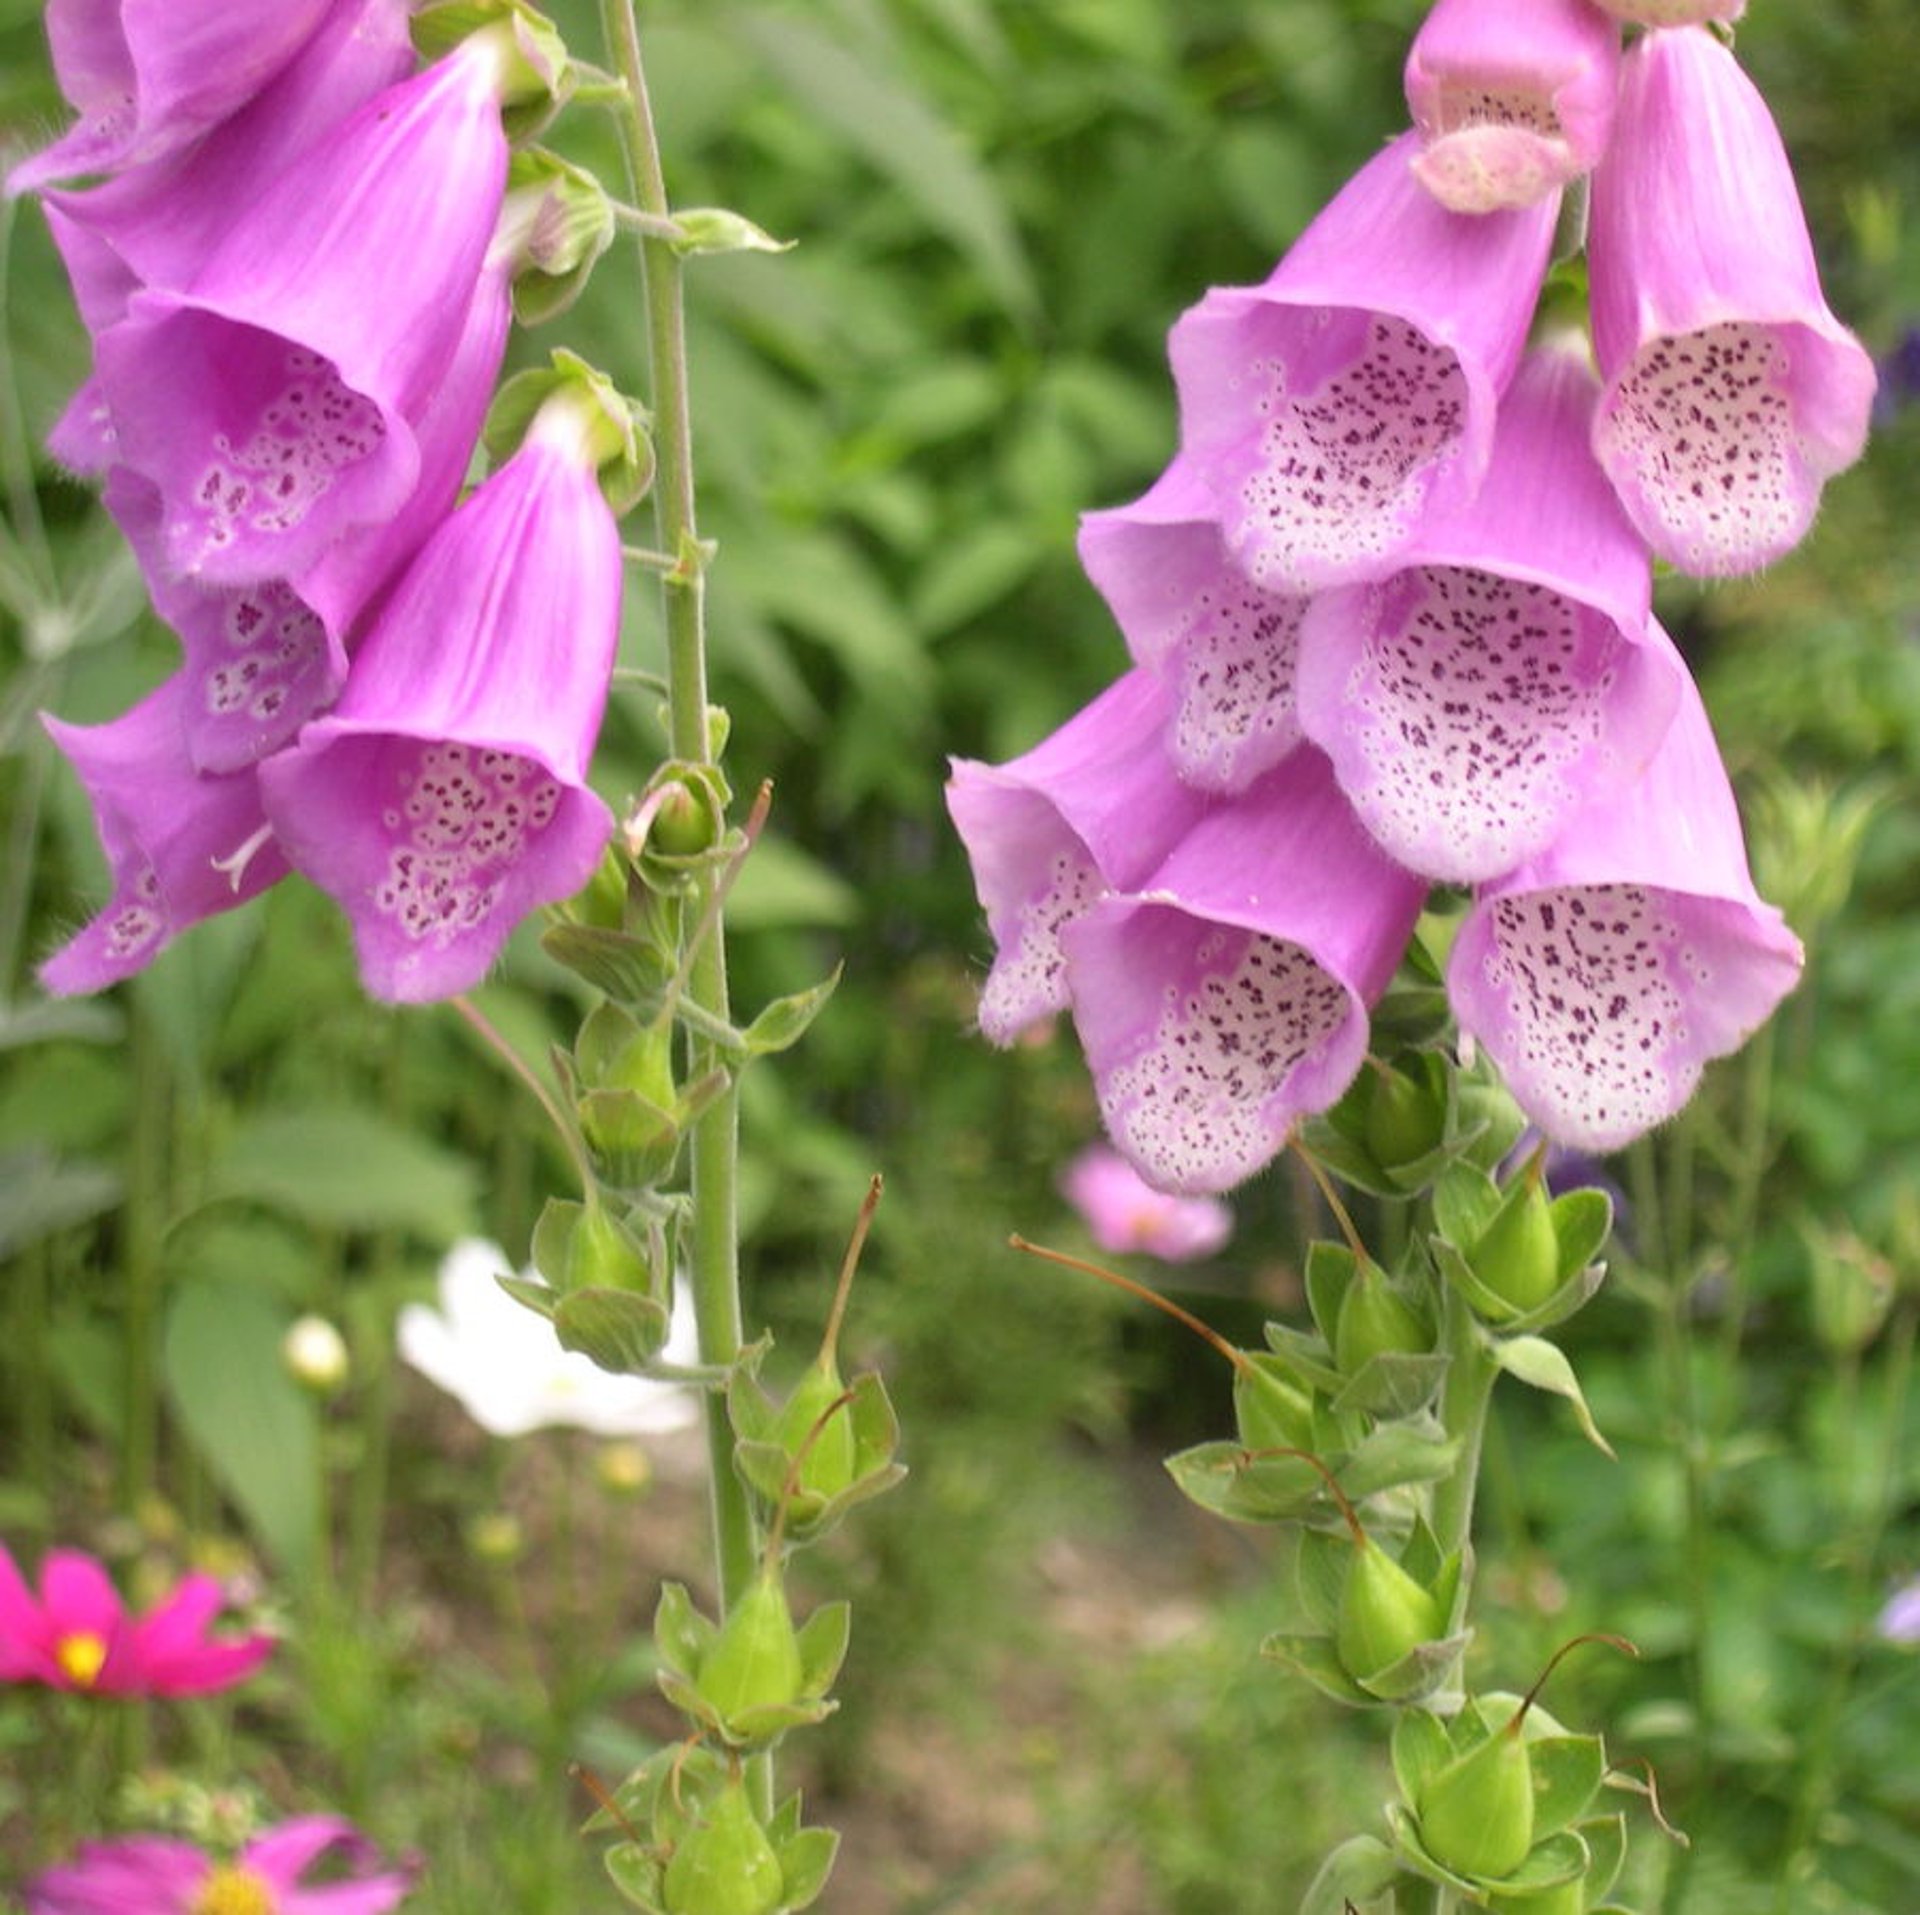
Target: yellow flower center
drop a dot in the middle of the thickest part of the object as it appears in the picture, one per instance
(233, 1891)
(81, 1656)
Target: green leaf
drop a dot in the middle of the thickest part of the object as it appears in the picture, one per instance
(785, 1021)
(40, 1195)
(1354, 1874)
(348, 1169)
(1544, 1365)
(882, 117)
(253, 1426)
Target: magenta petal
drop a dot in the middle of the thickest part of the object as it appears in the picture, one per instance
(1331, 409)
(83, 439)
(273, 402)
(283, 1855)
(1602, 976)
(1513, 99)
(1228, 998)
(22, 1628)
(1226, 648)
(148, 76)
(1733, 393)
(1471, 699)
(1093, 807)
(180, 846)
(445, 797)
(169, 1651)
(138, 1875)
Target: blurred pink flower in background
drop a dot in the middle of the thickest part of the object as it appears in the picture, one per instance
(157, 1875)
(79, 1635)
(1124, 1212)
(1899, 1619)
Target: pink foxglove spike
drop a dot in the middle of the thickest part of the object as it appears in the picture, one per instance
(1476, 695)
(1512, 99)
(1226, 998)
(1604, 974)
(1225, 648)
(1732, 392)
(1331, 409)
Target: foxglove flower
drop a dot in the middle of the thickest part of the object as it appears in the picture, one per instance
(1512, 98)
(180, 847)
(263, 658)
(311, 1865)
(1227, 998)
(1331, 409)
(1602, 975)
(511, 1375)
(149, 76)
(274, 402)
(1732, 392)
(1124, 1213)
(1471, 698)
(1226, 648)
(1094, 807)
(445, 796)
(78, 1634)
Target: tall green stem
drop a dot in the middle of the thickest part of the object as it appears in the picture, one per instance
(714, 1246)
(1463, 1409)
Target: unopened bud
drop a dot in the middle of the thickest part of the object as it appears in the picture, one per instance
(315, 1354)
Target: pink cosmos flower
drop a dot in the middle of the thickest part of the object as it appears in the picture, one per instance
(1732, 392)
(1502, 673)
(311, 1865)
(180, 846)
(1512, 98)
(445, 796)
(148, 76)
(1329, 410)
(1093, 807)
(274, 402)
(1226, 997)
(78, 1634)
(1225, 647)
(1123, 1212)
(1603, 975)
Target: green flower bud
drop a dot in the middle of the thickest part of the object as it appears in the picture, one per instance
(1374, 1319)
(1384, 1613)
(1476, 1812)
(1404, 1119)
(725, 1864)
(828, 1466)
(1518, 1258)
(755, 1661)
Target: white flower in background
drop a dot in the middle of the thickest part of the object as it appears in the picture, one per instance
(509, 1371)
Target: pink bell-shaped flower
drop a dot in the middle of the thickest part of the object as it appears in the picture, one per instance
(77, 1634)
(1672, 13)
(1473, 697)
(1225, 648)
(1091, 808)
(274, 402)
(1512, 99)
(1603, 975)
(1226, 998)
(1732, 392)
(445, 796)
(1331, 409)
(263, 658)
(180, 846)
(149, 76)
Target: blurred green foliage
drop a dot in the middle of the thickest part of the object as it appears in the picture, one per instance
(1000, 207)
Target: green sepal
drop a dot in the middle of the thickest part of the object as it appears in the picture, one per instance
(1567, 1773)
(1422, 1672)
(1228, 1480)
(623, 966)
(1360, 1870)
(617, 424)
(635, 1873)
(682, 1636)
(540, 77)
(1545, 1366)
(806, 1861)
(688, 841)
(621, 1330)
(615, 1051)
(580, 1246)
(540, 1298)
(1270, 1410)
(1304, 1356)
(784, 1022)
(1420, 1746)
(1404, 1450)
(822, 1641)
(1393, 1383)
(713, 229)
(633, 1141)
(764, 1462)
(564, 221)
(1467, 1203)
(1606, 1840)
